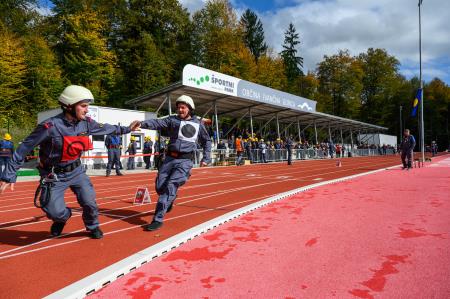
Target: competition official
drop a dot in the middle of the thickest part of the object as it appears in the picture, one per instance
(62, 140)
(6, 151)
(184, 130)
(113, 143)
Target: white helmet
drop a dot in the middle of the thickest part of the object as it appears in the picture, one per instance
(73, 94)
(186, 100)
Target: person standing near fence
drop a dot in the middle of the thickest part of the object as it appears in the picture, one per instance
(131, 150)
(221, 147)
(263, 148)
(239, 146)
(6, 151)
(184, 130)
(407, 148)
(148, 149)
(113, 143)
(288, 145)
(62, 139)
(248, 148)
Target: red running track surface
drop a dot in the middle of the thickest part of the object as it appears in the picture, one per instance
(384, 235)
(34, 265)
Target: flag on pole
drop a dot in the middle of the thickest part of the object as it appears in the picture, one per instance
(416, 102)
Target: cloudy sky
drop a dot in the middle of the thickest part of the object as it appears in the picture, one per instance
(325, 26)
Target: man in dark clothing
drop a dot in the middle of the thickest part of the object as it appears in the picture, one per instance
(289, 144)
(132, 150)
(148, 149)
(113, 143)
(407, 148)
(6, 151)
(221, 147)
(248, 148)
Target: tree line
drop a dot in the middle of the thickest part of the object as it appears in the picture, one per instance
(121, 49)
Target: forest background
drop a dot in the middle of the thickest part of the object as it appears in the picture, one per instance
(122, 49)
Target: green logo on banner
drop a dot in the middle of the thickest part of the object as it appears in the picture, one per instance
(200, 80)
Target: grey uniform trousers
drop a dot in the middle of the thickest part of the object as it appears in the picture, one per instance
(113, 160)
(172, 174)
(81, 186)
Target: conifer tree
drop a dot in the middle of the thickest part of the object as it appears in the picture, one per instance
(253, 34)
(292, 62)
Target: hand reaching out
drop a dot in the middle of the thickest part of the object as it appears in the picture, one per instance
(5, 185)
(135, 125)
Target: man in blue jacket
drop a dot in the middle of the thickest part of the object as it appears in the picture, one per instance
(407, 148)
(113, 143)
(148, 149)
(6, 151)
(289, 144)
(184, 130)
(62, 140)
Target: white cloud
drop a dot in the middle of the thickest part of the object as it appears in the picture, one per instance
(325, 27)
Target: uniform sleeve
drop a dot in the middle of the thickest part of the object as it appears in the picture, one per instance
(36, 137)
(205, 142)
(413, 143)
(96, 128)
(156, 124)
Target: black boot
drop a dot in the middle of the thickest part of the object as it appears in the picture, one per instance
(57, 228)
(96, 233)
(119, 173)
(153, 226)
(108, 174)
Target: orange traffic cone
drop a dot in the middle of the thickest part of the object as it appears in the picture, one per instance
(338, 163)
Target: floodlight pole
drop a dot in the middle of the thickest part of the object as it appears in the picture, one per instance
(401, 124)
(217, 123)
(422, 130)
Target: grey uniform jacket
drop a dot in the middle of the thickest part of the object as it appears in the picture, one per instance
(61, 142)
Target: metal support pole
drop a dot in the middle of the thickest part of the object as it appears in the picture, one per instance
(251, 120)
(169, 104)
(278, 127)
(329, 134)
(315, 131)
(160, 106)
(351, 137)
(299, 131)
(262, 127)
(217, 122)
(236, 123)
(401, 124)
(342, 138)
(207, 111)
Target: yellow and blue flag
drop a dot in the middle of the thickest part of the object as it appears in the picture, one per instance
(416, 102)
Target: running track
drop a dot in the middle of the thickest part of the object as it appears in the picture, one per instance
(34, 265)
